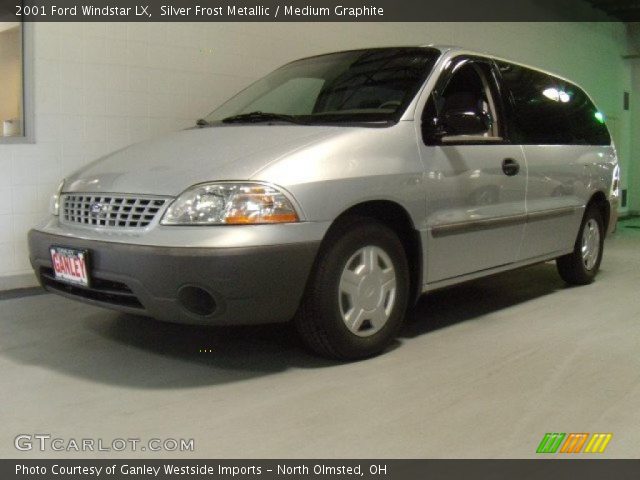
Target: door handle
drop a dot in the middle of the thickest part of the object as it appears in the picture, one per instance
(510, 167)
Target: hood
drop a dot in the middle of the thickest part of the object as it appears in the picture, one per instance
(170, 164)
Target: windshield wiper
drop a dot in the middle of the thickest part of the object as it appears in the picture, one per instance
(202, 122)
(255, 117)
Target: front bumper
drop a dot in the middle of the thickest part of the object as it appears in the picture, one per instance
(248, 285)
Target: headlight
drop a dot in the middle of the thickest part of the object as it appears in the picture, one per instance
(231, 204)
(54, 201)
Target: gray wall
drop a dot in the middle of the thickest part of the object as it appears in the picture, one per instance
(634, 159)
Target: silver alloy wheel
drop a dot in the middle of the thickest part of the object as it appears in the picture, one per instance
(367, 291)
(590, 244)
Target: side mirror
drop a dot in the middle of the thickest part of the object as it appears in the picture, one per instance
(464, 122)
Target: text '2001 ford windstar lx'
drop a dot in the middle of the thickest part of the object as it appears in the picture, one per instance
(335, 191)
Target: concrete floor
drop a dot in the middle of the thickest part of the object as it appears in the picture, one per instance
(481, 370)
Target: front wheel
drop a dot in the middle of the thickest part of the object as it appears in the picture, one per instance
(581, 266)
(357, 295)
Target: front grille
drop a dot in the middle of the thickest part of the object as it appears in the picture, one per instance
(105, 291)
(115, 211)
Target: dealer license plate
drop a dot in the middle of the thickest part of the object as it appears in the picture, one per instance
(70, 265)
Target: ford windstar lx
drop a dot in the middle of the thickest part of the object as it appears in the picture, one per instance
(335, 191)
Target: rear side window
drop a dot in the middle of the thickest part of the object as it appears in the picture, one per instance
(551, 111)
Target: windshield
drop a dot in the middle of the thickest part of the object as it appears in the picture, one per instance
(374, 85)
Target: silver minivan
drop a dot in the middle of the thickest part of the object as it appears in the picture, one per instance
(335, 191)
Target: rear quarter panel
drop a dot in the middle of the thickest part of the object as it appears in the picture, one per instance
(562, 178)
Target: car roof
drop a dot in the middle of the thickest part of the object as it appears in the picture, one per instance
(453, 50)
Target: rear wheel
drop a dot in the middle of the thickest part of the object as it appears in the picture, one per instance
(357, 295)
(581, 266)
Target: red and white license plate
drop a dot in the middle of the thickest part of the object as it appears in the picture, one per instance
(70, 265)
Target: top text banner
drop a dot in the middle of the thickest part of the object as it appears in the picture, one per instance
(299, 10)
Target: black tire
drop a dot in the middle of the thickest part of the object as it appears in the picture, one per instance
(572, 267)
(319, 320)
